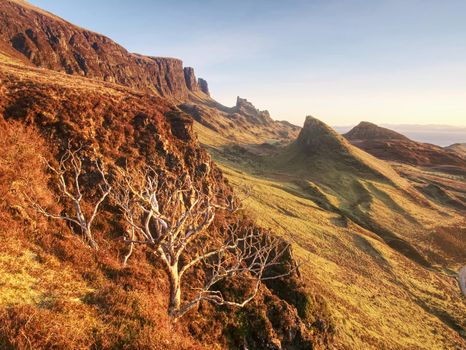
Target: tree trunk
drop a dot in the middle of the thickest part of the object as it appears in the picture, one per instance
(90, 239)
(175, 290)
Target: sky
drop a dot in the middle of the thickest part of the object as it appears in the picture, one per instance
(342, 61)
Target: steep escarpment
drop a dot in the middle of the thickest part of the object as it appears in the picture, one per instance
(190, 79)
(41, 39)
(204, 86)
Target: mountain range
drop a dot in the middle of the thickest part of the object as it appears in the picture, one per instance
(376, 219)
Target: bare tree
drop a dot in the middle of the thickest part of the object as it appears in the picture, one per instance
(170, 228)
(249, 255)
(67, 175)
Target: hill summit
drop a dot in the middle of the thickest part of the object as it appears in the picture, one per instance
(369, 131)
(316, 135)
(389, 145)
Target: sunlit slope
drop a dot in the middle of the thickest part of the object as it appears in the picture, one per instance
(379, 298)
(365, 233)
(359, 187)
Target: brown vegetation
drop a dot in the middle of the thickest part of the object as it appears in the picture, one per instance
(382, 240)
(52, 283)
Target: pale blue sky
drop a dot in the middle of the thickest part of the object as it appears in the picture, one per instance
(391, 61)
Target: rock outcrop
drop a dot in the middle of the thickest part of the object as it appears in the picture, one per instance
(247, 109)
(190, 79)
(203, 86)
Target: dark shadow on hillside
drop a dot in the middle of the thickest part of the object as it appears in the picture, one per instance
(390, 203)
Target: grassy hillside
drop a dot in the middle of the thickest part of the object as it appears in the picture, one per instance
(379, 242)
(369, 240)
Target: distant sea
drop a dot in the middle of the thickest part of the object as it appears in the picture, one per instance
(441, 135)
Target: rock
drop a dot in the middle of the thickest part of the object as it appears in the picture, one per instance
(190, 79)
(204, 86)
(247, 109)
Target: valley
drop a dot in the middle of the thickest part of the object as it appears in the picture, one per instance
(375, 221)
(366, 235)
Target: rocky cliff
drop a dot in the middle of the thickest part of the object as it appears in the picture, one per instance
(204, 86)
(44, 40)
(190, 79)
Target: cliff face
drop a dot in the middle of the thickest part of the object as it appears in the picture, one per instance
(44, 40)
(204, 86)
(190, 79)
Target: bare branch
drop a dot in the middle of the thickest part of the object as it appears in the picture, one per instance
(169, 229)
(70, 167)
